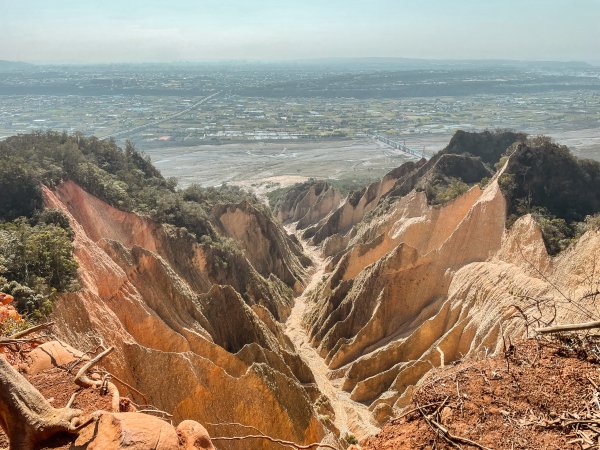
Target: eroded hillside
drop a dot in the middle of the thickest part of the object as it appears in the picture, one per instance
(195, 339)
(191, 288)
(412, 280)
(324, 330)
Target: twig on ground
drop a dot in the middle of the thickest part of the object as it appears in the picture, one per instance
(28, 331)
(18, 338)
(118, 380)
(445, 433)
(410, 411)
(155, 411)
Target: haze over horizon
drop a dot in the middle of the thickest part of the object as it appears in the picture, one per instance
(67, 31)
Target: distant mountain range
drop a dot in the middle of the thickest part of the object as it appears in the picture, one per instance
(367, 63)
(15, 65)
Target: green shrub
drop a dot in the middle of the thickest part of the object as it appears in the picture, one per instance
(557, 233)
(591, 223)
(440, 194)
(558, 189)
(36, 253)
(351, 439)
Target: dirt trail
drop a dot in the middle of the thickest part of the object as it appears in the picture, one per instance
(350, 416)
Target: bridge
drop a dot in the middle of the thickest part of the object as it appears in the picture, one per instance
(400, 146)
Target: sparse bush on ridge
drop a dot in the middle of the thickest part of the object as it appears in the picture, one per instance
(443, 193)
(468, 159)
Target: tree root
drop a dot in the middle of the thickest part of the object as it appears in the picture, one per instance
(26, 416)
(82, 379)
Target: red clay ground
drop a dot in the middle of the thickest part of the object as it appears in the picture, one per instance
(538, 396)
(57, 386)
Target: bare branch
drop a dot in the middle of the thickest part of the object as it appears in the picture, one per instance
(28, 331)
(445, 433)
(569, 327)
(81, 379)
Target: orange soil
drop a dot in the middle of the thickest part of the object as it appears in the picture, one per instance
(518, 401)
(57, 386)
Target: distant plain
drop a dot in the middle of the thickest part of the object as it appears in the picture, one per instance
(269, 125)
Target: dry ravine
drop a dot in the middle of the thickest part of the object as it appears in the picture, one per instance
(350, 418)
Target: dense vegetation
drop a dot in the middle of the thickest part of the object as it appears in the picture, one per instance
(124, 178)
(561, 191)
(35, 244)
(543, 179)
(36, 261)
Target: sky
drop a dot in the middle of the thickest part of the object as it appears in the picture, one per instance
(113, 31)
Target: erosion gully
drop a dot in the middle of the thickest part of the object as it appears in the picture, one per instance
(350, 417)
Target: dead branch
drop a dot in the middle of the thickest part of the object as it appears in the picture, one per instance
(17, 338)
(445, 433)
(395, 420)
(155, 411)
(569, 327)
(128, 386)
(28, 331)
(446, 438)
(264, 436)
(274, 440)
(234, 424)
(456, 438)
(37, 340)
(82, 379)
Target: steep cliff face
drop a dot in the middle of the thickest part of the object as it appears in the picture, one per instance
(308, 203)
(354, 208)
(193, 346)
(266, 245)
(414, 281)
(420, 270)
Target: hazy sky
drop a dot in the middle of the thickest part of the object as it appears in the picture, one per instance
(194, 30)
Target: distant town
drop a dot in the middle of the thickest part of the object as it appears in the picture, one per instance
(411, 105)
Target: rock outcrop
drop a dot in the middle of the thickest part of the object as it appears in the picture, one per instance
(192, 345)
(135, 431)
(358, 204)
(50, 368)
(467, 157)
